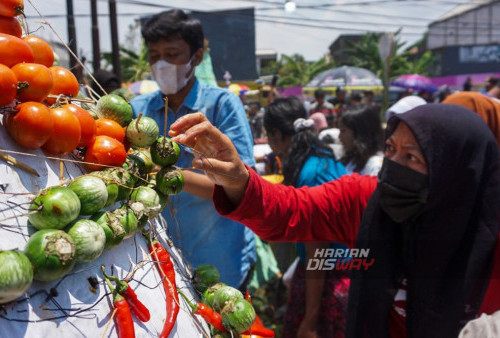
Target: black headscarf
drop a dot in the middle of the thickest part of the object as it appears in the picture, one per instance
(446, 254)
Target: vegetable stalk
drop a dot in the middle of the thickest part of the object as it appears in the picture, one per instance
(137, 308)
(211, 317)
(123, 318)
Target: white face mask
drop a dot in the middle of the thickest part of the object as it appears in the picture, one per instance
(171, 78)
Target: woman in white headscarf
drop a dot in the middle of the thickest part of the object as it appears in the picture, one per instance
(402, 106)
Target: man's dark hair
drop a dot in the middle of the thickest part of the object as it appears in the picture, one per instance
(174, 24)
(319, 94)
(355, 97)
(107, 80)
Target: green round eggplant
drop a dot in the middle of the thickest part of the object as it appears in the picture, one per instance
(112, 226)
(169, 181)
(92, 193)
(205, 275)
(142, 132)
(115, 108)
(238, 315)
(128, 220)
(57, 207)
(208, 294)
(16, 275)
(225, 294)
(89, 238)
(165, 152)
(149, 198)
(52, 254)
(122, 178)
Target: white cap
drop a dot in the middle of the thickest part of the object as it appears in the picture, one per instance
(402, 106)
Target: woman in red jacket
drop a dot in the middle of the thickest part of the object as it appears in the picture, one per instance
(431, 221)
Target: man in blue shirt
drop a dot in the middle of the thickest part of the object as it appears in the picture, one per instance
(175, 45)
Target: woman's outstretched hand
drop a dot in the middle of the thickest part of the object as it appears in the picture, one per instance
(214, 154)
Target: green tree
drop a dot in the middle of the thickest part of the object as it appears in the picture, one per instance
(134, 65)
(295, 70)
(402, 61)
(133, 56)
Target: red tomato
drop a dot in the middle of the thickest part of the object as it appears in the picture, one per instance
(31, 126)
(35, 81)
(64, 83)
(10, 26)
(8, 85)
(44, 55)
(14, 50)
(66, 134)
(109, 128)
(105, 150)
(11, 7)
(87, 124)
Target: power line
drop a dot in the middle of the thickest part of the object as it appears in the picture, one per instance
(297, 22)
(140, 3)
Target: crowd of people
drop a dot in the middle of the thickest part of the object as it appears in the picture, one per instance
(423, 195)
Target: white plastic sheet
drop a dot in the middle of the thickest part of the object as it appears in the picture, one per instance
(68, 307)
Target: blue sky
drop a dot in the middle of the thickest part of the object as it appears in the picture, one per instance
(309, 30)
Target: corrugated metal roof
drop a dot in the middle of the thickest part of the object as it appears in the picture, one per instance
(472, 4)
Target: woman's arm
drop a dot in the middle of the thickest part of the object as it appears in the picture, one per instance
(330, 212)
(275, 212)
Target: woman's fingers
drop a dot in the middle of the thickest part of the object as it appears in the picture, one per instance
(185, 122)
(196, 131)
(214, 153)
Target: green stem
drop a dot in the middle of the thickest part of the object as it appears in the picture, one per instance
(121, 286)
(193, 307)
(113, 278)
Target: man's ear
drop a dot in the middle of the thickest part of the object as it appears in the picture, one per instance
(198, 57)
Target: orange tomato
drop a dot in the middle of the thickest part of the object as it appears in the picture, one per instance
(44, 55)
(8, 85)
(35, 81)
(105, 150)
(31, 126)
(66, 133)
(64, 83)
(14, 50)
(110, 128)
(10, 26)
(87, 124)
(11, 7)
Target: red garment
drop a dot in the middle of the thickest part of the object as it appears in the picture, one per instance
(334, 208)
(283, 213)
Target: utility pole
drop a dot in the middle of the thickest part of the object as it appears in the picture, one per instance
(96, 49)
(114, 39)
(72, 40)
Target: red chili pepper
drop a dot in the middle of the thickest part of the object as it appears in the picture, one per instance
(262, 332)
(122, 318)
(167, 272)
(136, 307)
(211, 317)
(258, 327)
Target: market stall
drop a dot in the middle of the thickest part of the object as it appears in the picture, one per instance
(79, 304)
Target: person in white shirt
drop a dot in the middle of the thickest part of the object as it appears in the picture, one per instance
(361, 136)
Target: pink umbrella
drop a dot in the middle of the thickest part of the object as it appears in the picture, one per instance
(415, 82)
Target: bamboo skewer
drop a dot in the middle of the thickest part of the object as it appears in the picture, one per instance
(12, 160)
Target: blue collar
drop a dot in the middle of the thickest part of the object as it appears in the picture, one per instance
(192, 100)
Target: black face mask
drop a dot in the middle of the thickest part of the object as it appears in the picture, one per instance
(403, 191)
